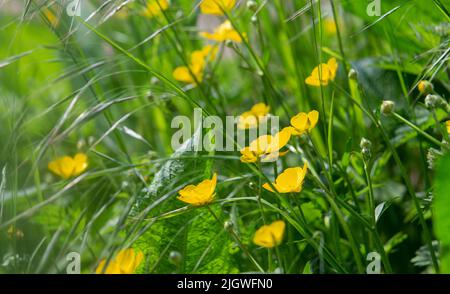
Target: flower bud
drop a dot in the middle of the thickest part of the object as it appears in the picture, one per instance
(254, 19)
(387, 107)
(229, 43)
(154, 81)
(175, 257)
(425, 87)
(366, 152)
(353, 74)
(431, 101)
(365, 143)
(81, 144)
(252, 5)
(228, 225)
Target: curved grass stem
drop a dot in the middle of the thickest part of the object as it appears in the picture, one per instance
(416, 128)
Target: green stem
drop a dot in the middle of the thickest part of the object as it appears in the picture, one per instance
(405, 177)
(330, 198)
(238, 240)
(412, 193)
(260, 192)
(442, 130)
(374, 231)
(416, 128)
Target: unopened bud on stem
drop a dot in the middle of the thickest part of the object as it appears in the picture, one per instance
(425, 87)
(387, 107)
(175, 257)
(252, 5)
(353, 74)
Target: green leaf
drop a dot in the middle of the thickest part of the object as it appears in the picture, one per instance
(441, 211)
(183, 166)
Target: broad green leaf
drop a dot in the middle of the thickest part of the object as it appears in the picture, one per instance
(441, 211)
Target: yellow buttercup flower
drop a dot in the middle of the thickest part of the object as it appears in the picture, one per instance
(224, 32)
(155, 7)
(266, 148)
(216, 7)
(330, 26)
(304, 122)
(200, 194)
(196, 66)
(289, 181)
(126, 262)
(68, 167)
(447, 124)
(257, 114)
(271, 235)
(323, 74)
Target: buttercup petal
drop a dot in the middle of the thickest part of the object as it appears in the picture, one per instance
(313, 118)
(333, 67)
(200, 194)
(216, 7)
(280, 140)
(270, 235)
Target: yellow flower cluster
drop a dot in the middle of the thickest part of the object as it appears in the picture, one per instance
(193, 74)
(257, 114)
(224, 32)
(264, 148)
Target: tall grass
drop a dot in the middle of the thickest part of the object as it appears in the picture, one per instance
(101, 83)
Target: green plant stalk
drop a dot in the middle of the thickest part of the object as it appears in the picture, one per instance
(319, 58)
(351, 83)
(266, 77)
(347, 232)
(163, 78)
(329, 256)
(376, 236)
(414, 127)
(439, 126)
(186, 63)
(330, 198)
(406, 179)
(238, 240)
(411, 192)
(260, 192)
(442, 9)
(310, 239)
(289, 58)
(330, 134)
